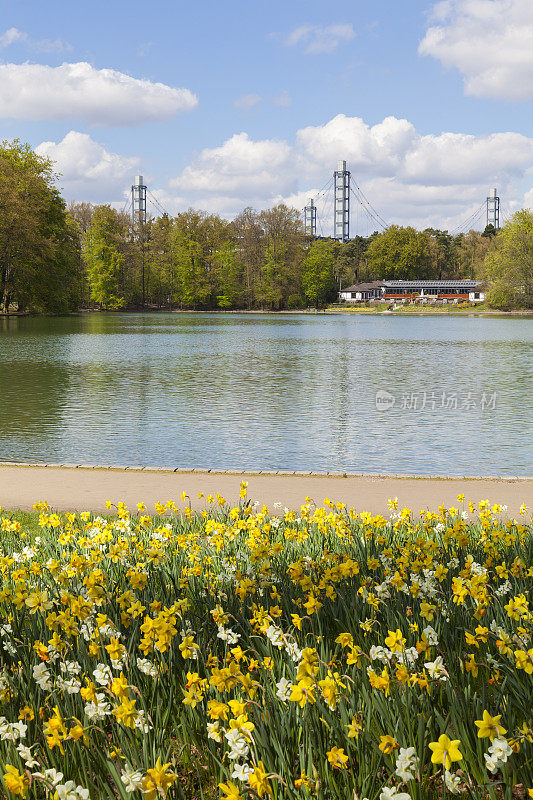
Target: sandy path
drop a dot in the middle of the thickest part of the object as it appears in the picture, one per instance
(81, 488)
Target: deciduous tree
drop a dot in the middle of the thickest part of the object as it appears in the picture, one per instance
(508, 266)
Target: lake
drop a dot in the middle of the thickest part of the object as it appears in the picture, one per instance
(384, 393)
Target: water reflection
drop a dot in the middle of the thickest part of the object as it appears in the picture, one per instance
(267, 391)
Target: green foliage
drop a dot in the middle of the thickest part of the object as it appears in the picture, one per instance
(54, 260)
(318, 279)
(400, 254)
(40, 264)
(472, 250)
(161, 285)
(104, 261)
(282, 240)
(508, 266)
(204, 640)
(489, 231)
(230, 275)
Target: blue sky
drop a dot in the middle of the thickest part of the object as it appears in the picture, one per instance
(272, 94)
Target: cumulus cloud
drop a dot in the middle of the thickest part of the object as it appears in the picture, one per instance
(14, 35)
(380, 148)
(436, 180)
(87, 170)
(423, 180)
(80, 91)
(489, 41)
(240, 167)
(320, 39)
(247, 101)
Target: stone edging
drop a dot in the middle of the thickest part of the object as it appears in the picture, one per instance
(265, 472)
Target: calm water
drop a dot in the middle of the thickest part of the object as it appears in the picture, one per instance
(270, 392)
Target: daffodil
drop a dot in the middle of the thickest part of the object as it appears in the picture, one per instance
(158, 780)
(258, 780)
(337, 757)
(445, 751)
(387, 744)
(489, 726)
(230, 791)
(16, 782)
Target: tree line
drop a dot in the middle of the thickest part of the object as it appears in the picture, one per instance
(41, 263)
(57, 258)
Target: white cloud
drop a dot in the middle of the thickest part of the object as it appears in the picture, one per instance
(456, 158)
(489, 41)
(99, 96)
(528, 199)
(380, 148)
(247, 101)
(239, 167)
(411, 179)
(422, 180)
(320, 39)
(87, 170)
(13, 35)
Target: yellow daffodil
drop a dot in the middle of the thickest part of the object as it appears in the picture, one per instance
(445, 751)
(489, 727)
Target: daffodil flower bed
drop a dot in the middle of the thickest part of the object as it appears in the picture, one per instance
(318, 653)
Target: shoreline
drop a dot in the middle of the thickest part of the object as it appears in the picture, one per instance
(86, 487)
(466, 312)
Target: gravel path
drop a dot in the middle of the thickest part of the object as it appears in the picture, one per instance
(79, 488)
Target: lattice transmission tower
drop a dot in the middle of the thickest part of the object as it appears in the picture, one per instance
(341, 221)
(493, 209)
(138, 218)
(138, 202)
(310, 219)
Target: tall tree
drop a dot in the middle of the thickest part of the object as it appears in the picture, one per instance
(104, 260)
(444, 262)
(230, 275)
(350, 261)
(399, 254)
(249, 236)
(318, 278)
(196, 239)
(82, 214)
(283, 238)
(161, 274)
(39, 263)
(508, 266)
(471, 252)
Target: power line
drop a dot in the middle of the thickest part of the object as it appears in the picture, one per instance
(370, 211)
(364, 199)
(126, 207)
(157, 204)
(322, 196)
(469, 221)
(325, 188)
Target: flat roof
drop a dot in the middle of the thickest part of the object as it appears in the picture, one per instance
(439, 284)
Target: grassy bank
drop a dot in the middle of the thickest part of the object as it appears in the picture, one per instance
(480, 309)
(237, 652)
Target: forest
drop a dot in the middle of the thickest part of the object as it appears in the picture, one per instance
(56, 258)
